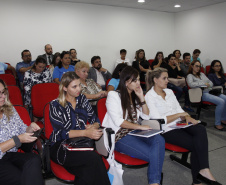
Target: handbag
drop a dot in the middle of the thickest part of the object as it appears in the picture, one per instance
(80, 142)
(216, 91)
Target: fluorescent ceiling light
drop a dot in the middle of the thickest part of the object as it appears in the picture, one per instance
(141, 1)
(177, 6)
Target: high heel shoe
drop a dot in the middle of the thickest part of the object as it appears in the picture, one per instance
(207, 181)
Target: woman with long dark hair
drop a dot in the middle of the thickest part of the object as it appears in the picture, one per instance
(196, 79)
(63, 66)
(216, 74)
(124, 107)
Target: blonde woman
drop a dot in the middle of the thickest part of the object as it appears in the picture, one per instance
(69, 114)
(15, 167)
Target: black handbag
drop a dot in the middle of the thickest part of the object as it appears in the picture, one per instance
(80, 142)
(215, 92)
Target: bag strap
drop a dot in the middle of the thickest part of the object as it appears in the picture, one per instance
(111, 156)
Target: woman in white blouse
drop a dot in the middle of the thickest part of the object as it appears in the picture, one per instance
(162, 103)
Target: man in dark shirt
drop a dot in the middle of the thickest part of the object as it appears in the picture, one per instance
(185, 65)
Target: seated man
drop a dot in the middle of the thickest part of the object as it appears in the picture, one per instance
(48, 56)
(4, 67)
(123, 58)
(24, 66)
(98, 73)
(185, 65)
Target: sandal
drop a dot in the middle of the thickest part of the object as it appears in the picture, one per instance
(220, 129)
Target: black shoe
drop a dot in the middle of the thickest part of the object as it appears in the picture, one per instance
(207, 181)
(223, 124)
(220, 129)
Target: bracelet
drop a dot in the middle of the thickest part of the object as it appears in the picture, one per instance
(143, 103)
(17, 141)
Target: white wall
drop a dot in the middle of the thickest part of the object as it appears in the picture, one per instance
(205, 29)
(91, 29)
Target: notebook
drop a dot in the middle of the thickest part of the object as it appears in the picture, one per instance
(145, 133)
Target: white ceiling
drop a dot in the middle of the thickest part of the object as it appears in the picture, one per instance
(154, 5)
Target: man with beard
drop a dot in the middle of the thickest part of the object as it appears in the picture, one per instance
(185, 65)
(24, 66)
(98, 73)
(48, 56)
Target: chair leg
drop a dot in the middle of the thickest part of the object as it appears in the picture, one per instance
(161, 182)
(182, 160)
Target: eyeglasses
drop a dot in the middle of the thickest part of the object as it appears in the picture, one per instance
(217, 66)
(197, 66)
(4, 91)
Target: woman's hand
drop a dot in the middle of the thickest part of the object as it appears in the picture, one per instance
(144, 127)
(191, 120)
(207, 84)
(93, 132)
(32, 128)
(141, 68)
(26, 138)
(139, 92)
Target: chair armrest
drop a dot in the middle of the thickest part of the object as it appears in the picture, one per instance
(195, 95)
(218, 87)
(154, 123)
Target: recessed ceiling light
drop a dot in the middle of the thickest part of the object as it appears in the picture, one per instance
(141, 1)
(177, 6)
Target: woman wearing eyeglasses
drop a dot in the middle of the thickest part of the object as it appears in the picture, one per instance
(196, 79)
(216, 74)
(15, 167)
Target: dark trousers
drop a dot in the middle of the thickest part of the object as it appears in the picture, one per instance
(194, 139)
(20, 169)
(87, 166)
(179, 91)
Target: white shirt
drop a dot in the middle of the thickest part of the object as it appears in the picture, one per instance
(100, 78)
(119, 61)
(114, 116)
(160, 108)
(47, 59)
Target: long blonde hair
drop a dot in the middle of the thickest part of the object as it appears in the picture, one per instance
(150, 75)
(66, 79)
(7, 108)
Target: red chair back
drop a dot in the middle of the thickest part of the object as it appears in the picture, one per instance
(101, 109)
(23, 113)
(202, 70)
(107, 82)
(15, 96)
(8, 79)
(207, 69)
(41, 94)
(150, 61)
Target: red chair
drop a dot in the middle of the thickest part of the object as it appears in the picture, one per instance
(202, 70)
(121, 158)
(8, 79)
(23, 113)
(107, 82)
(58, 170)
(8, 71)
(41, 94)
(151, 61)
(207, 69)
(15, 96)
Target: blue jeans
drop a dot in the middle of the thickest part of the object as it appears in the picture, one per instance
(150, 149)
(179, 92)
(220, 102)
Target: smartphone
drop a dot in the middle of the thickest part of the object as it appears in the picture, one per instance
(37, 133)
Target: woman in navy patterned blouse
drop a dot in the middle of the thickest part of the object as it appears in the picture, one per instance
(69, 115)
(16, 168)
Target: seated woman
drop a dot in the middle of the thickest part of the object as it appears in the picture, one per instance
(36, 75)
(16, 167)
(73, 55)
(159, 61)
(54, 63)
(196, 79)
(69, 115)
(177, 55)
(62, 67)
(124, 107)
(162, 103)
(142, 65)
(113, 83)
(88, 87)
(216, 74)
(177, 82)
